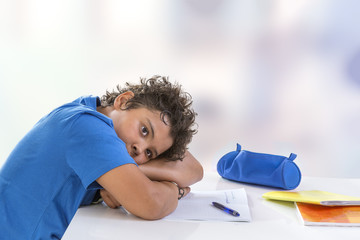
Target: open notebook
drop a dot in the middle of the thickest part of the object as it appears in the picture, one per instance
(197, 205)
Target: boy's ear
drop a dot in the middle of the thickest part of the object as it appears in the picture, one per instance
(122, 99)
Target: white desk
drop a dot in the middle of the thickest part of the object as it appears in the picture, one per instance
(270, 220)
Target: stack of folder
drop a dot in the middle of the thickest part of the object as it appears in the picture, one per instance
(321, 208)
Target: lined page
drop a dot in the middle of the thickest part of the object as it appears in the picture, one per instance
(197, 205)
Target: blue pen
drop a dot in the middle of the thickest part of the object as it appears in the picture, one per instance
(226, 209)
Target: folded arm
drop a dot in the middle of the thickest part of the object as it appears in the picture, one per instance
(146, 191)
(184, 173)
(139, 195)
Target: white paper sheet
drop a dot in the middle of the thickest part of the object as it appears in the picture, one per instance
(197, 205)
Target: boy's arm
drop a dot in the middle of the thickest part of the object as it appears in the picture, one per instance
(184, 173)
(138, 194)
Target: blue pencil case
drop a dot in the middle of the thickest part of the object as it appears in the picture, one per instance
(260, 168)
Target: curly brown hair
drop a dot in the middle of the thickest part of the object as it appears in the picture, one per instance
(157, 93)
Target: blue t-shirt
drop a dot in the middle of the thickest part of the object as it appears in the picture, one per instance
(47, 175)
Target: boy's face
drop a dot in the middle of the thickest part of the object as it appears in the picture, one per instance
(146, 136)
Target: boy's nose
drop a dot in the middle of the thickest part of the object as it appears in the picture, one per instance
(137, 149)
(138, 154)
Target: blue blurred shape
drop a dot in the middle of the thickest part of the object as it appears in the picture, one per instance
(353, 68)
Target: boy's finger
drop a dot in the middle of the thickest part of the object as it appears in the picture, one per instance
(109, 199)
(186, 190)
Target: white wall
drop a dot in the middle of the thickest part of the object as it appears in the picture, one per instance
(275, 76)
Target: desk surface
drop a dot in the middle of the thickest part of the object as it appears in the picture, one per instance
(270, 220)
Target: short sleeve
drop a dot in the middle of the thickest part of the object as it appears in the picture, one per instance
(93, 148)
(88, 197)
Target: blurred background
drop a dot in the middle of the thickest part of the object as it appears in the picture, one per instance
(275, 76)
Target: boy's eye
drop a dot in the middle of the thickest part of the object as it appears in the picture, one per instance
(149, 153)
(144, 131)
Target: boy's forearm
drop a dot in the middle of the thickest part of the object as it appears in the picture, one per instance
(137, 194)
(184, 173)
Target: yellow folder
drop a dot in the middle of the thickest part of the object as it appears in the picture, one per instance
(313, 197)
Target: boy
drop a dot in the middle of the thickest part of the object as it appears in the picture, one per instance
(122, 144)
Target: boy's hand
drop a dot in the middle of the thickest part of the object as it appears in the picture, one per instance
(109, 199)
